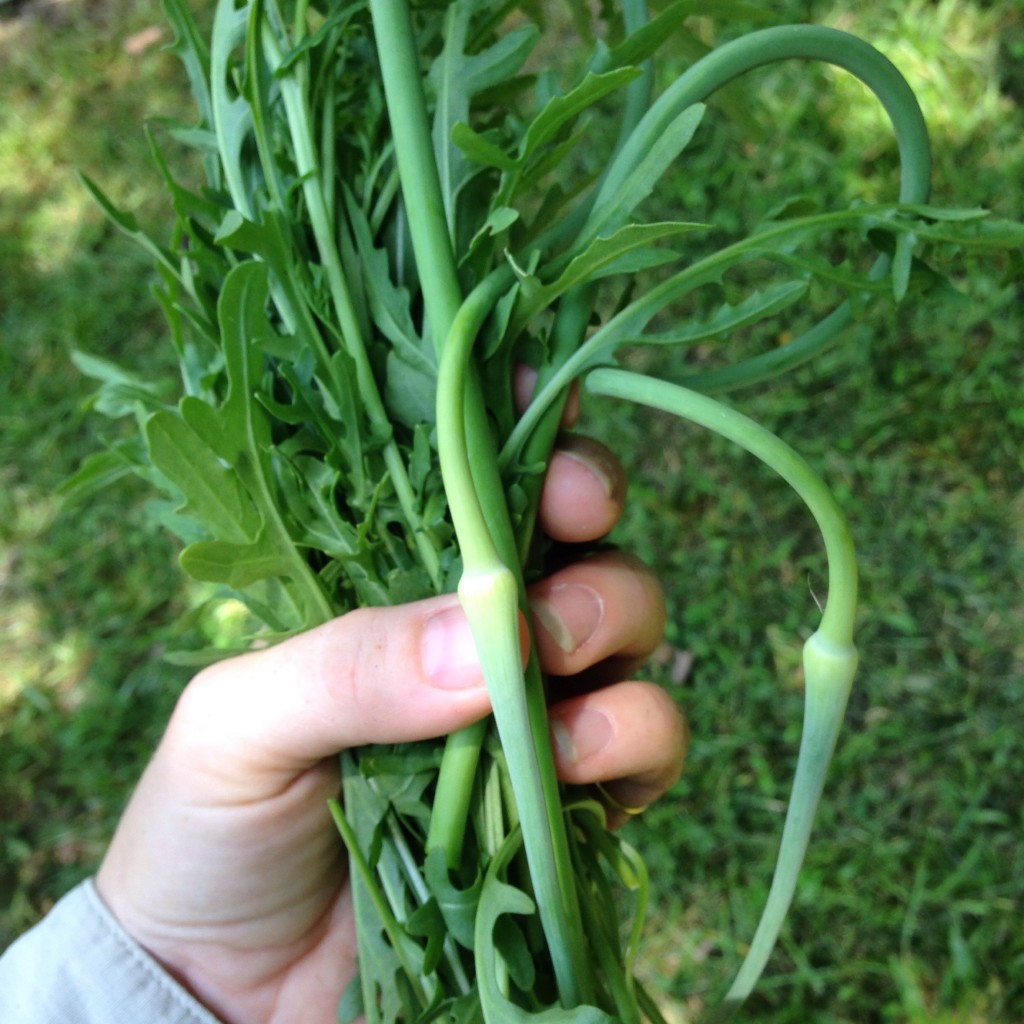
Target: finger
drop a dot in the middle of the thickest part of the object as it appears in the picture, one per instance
(631, 738)
(584, 491)
(609, 606)
(525, 383)
(375, 675)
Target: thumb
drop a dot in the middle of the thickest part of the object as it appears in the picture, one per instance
(375, 675)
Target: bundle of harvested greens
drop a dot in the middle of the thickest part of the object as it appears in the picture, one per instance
(396, 214)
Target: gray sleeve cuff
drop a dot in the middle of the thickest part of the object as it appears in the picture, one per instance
(79, 966)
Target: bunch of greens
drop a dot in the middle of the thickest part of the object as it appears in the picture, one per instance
(401, 205)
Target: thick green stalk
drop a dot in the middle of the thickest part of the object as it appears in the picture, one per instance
(828, 674)
(830, 658)
(490, 593)
(804, 42)
(723, 65)
(491, 586)
(567, 334)
(432, 244)
(442, 297)
(838, 618)
(417, 166)
(819, 43)
(453, 792)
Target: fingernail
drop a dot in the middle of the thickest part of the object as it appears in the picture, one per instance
(596, 459)
(591, 732)
(571, 613)
(448, 652)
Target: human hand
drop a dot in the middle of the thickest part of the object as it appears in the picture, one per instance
(226, 865)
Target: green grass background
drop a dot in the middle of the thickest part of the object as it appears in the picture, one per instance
(911, 901)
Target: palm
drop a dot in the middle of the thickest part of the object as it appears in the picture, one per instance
(252, 914)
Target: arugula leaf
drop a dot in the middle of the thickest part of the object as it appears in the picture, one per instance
(457, 77)
(602, 256)
(214, 495)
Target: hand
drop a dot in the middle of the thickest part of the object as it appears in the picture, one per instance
(226, 865)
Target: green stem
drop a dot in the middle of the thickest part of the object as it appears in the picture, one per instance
(490, 592)
(828, 675)
(830, 658)
(476, 543)
(432, 244)
(318, 608)
(417, 166)
(418, 884)
(838, 618)
(819, 43)
(286, 287)
(473, 486)
(803, 42)
(638, 93)
(454, 790)
(567, 333)
(730, 61)
(435, 261)
(391, 925)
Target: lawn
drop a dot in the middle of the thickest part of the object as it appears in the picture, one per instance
(910, 903)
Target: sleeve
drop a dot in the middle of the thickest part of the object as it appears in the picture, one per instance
(79, 966)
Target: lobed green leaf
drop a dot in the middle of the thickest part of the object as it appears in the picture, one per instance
(213, 493)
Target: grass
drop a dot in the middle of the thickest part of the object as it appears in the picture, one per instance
(911, 899)
(88, 596)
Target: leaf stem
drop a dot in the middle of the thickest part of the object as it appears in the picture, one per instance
(396, 934)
